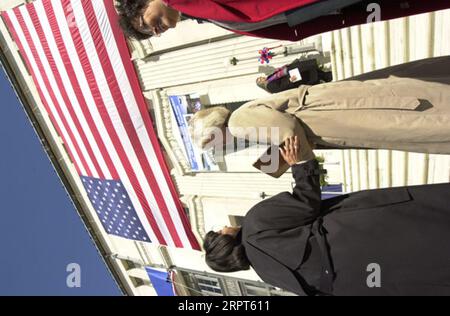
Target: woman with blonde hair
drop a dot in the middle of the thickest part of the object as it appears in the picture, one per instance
(404, 107)
(206, 123)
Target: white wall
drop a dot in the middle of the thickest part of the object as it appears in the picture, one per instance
(8, 4)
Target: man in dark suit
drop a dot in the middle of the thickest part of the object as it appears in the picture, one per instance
(378, 242)
(297, 73)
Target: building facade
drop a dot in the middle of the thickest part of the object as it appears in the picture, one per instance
(220, 68)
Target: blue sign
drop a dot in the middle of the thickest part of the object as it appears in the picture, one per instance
(180, 108)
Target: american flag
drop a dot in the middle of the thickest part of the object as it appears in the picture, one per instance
(80, 64)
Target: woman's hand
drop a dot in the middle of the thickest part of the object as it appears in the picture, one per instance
(261, 81)
(291, 150)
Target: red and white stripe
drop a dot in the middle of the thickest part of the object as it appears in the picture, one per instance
(80, 63)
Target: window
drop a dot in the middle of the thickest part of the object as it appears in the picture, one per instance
(136, 281)
(209, 286)
(217, 285)
(236, 220)
(262, 289)
(253, 289)
(128, 265)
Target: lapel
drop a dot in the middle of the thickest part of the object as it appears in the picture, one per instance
(372, 198)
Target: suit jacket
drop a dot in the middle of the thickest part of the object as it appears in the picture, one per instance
(275, 232)
(308, 70)
(405, 230)
(408, 111)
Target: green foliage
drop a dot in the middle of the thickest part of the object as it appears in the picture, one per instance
(323, 176)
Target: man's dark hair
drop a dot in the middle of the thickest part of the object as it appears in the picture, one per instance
(225, 253)
(129, 11)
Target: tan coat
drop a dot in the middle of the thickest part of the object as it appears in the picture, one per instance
(405, 107)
